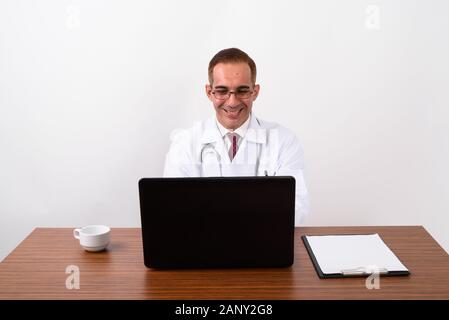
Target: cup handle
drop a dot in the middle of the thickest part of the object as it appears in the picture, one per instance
(76, 233)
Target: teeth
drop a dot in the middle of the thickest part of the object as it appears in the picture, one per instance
(233, 111)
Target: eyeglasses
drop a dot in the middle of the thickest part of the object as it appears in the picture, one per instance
(225, 94)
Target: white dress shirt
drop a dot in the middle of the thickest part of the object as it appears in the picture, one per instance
(240, 131)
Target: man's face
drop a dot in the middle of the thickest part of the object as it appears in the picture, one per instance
(232, 109)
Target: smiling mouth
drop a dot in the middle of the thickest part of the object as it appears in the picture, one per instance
(233, 112)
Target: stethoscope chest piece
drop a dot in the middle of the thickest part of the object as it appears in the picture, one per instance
(209, 154)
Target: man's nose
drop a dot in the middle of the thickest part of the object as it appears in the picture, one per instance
(233, 101)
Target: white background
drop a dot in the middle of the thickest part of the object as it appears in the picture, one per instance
(90, 91)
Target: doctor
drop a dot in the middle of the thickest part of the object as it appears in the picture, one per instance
(235, 142)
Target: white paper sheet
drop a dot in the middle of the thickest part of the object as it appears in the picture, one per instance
(344, 252)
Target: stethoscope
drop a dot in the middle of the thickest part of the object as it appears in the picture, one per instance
(209, 147)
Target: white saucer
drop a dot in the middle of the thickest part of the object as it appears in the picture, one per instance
(95, 249)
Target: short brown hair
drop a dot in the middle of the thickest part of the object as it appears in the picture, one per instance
(232, 55)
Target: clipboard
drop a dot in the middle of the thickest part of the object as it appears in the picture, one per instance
(334, 248)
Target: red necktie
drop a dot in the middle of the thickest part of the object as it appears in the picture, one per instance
(233, 148)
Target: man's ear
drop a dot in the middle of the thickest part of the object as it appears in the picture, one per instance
(209, 91)
(256, 91)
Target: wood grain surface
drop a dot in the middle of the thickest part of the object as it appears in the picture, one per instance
(36, 269)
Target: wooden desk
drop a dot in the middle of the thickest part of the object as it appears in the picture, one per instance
(36, 270)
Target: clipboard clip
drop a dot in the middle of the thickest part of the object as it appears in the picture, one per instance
(362, 271)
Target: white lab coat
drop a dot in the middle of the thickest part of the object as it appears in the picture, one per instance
(267, 148)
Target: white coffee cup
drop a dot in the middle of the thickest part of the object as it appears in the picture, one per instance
(93, 238)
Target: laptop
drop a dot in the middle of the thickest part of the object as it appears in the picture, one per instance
(219, 222)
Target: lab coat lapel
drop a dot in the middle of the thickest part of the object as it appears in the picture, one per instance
(211, 135)
(247, 158)
(214, 149)
(256, 133)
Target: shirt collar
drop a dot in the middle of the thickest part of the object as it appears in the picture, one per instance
(241, 131)
(255, 132)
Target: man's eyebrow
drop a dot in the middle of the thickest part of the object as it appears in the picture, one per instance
(240, 87)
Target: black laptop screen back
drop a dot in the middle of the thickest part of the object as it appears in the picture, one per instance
(217, 222)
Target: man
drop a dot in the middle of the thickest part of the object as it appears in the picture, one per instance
(235, 142)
